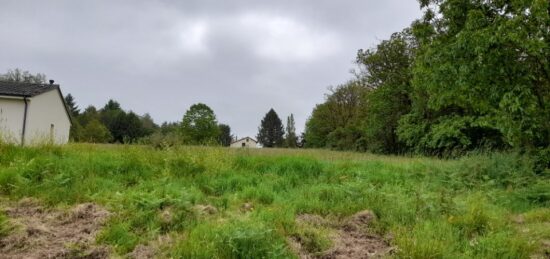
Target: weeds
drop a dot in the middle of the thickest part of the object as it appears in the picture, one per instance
(433, 208)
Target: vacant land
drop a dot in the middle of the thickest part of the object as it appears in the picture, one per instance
(193, 202)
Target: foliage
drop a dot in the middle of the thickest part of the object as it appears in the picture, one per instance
(127, 127)
(95, 132)
(481, 77)
(271, 131)
(225, 137)
(291, 140)
(199, 125)
(71, 104)
(335, 123)
(109, 124)
(470, 75)
(386, 71)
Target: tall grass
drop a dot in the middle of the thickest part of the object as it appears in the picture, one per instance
(433, 208)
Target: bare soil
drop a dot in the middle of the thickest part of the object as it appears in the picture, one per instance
(352, 239)
(51, 233)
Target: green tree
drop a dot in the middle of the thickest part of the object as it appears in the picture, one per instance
(148, 124)
(71, 104)
(336, 122)
(126, 127)
(76, 128)
(291, 139)
(23, 76)
(199, 125)
(318, 126)
(89, 114)
(95, 132)
(481, 77)
(387, 72)
(225, 137)
(112, 116)
(271, 131)
(169, 127)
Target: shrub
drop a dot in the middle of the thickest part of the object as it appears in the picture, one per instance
(10, 180)
(235, 239)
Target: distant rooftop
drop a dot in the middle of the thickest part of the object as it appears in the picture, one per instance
(24, 89)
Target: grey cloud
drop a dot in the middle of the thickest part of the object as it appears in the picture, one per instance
(241, 57)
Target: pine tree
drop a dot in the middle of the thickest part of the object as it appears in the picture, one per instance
(290, 138)
(271, 131)
(71, 104)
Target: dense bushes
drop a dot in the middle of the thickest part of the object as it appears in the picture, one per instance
(470, 75)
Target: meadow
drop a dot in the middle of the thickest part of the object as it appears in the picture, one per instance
(213, 202)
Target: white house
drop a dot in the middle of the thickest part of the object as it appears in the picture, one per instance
(33, 114)
(247, 142)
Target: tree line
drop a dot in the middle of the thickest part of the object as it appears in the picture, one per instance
(112, 124)
(199, 126)
(468, 75)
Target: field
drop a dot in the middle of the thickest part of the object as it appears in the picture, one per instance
(206, 202)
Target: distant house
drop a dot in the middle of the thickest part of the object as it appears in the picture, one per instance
(247, 142)
(33, 114)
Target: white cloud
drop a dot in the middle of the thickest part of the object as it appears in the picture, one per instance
(193, 36)
(282, 38)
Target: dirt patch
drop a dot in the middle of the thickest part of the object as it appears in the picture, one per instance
(351, 239)
(142, 252)
(206, 209)
(154, 248)
(312, 219)
(49, 233)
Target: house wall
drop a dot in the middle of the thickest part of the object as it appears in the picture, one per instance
(11, 119)
(45, 110)
(249, 144)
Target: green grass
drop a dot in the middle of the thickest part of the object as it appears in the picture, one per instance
(433, 208)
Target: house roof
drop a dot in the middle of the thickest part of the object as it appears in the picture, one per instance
(244, 139)
(24, 89)
(19, 89)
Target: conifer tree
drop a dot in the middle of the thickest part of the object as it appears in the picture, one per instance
(271, 131)
(290, 138)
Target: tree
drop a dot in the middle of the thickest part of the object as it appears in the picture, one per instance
(89, 114)
(387, 72)
(271, 131)
(95, 132)
(148, 124)
(71, 104)
(290, 138)
(336, 122)
(199, 125)
(111, 116)
(169, 127)
(225, 137)
(76, 128)
(481, 78)
(18, 75)
(126, 127)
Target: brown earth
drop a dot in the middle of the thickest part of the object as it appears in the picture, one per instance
(351, 239)
(51, 233)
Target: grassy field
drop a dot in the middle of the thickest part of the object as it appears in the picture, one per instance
(222, 203)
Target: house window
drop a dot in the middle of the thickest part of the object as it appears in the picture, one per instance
(246, 140)
(244, 144)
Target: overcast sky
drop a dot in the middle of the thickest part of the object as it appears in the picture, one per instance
(240, 57)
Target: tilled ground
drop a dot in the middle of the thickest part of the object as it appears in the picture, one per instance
(352, 239)
(49, 233)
